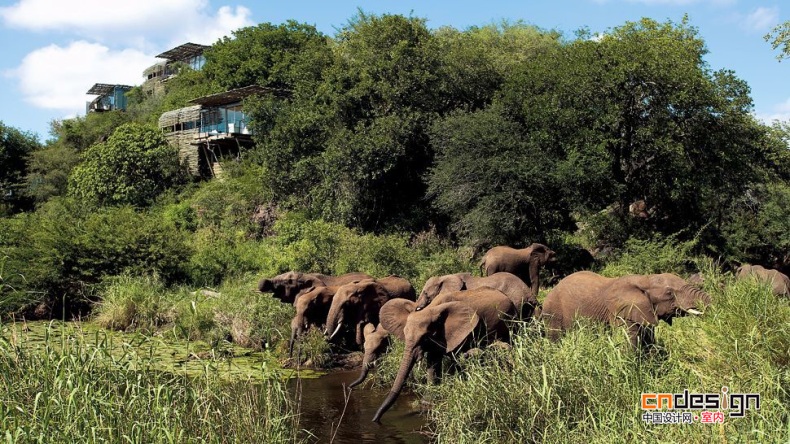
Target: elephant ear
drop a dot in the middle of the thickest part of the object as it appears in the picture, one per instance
(450, 283)
(460, 320)
(631, 300)
(393, 315)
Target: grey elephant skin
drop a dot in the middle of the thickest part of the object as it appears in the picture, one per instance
(312, 308)
(511, 285)
(524, 263)
(377, 339)
(288, 286)
(358, 303)
(636, 301)
(453, 322)
(780, 283)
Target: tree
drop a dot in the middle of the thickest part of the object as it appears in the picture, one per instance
(132, 167)
(495, 186)
(354, 149)
(15, 149)
(779, 37)
(49, 170)
(281, 56)
(657, 127)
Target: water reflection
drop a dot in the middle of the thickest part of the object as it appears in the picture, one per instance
(323, 404)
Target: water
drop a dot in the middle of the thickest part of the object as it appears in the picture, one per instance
(323, 404)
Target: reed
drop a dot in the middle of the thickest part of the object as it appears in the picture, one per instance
(79, 388)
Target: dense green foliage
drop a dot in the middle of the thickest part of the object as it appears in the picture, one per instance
(15, 150)
(133, 166)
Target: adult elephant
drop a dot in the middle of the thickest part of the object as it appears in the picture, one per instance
(524, 263)
(358, 303)
(780, 283)
(288, 286)
(453, 322)
(312, 308)
(636, 301)
(508, 283)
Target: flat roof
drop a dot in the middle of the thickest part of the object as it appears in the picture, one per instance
(184, 51)
(236, 95)
(101, 89)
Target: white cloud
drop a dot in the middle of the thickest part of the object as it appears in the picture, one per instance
(57, 78)
(761, 19)
(780, 111)
(128, 21)
(117, 41)
(207, 29)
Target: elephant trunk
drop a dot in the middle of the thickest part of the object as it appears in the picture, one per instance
(294, 334)
(407, 363)
(691, 298)
(534, 278)
(363, 374)
(333, 321)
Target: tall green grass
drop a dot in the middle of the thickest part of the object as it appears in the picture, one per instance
(586, 388)
(76, 389)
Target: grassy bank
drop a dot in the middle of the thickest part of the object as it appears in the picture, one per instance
(76, 388)
(586, 388)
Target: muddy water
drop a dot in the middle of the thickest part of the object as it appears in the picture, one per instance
(322, 405)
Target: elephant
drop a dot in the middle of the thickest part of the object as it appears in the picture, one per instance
(636, 301)
(453, 322)
(377, 340)
(524, 263)
(509, 284)
(312, 308)
(779, 281)
(288, 286)
(358, 303)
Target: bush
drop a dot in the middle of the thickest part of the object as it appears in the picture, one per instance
(133, 303)
(655, 255)
(55, 253)
(132, 167)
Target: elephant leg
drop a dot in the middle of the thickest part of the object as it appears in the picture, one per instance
(434, 363)
(637, 334)
(360, 337)
(647, 336)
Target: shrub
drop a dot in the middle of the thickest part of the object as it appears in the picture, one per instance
(133, 303)
(655, 255)
(132, 167)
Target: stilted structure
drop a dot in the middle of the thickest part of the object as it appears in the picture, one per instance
(214, 129)
(110, 97)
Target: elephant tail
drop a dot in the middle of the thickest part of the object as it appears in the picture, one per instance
(482, 266)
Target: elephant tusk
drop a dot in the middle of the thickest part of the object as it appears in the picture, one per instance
(336, 330)
(694, 312)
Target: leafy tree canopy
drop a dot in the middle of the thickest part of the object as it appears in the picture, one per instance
(132, 167)
(15, 148)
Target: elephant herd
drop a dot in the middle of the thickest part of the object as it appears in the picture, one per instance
(456, 312)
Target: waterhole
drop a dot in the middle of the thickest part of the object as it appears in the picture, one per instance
(329, 412)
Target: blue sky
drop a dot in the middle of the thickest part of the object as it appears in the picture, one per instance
(55, 50)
